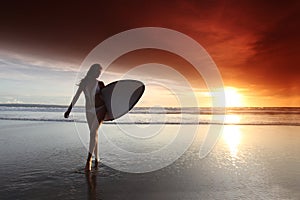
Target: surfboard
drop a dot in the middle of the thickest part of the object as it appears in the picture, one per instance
(121, 96)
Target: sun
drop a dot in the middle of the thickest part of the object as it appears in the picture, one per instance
(233, 97)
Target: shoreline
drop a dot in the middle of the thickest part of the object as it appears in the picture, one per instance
(146, 123)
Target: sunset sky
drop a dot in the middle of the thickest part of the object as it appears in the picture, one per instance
(255, 45)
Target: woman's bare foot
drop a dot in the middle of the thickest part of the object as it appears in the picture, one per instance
(88, 166)
(96, 163)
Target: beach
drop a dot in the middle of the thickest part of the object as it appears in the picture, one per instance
(45, 160)
(195, 100)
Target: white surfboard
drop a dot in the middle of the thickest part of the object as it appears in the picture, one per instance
(121, 96)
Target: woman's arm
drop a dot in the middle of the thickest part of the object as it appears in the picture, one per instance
(79, 90)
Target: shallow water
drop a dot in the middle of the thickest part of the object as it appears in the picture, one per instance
(160, 115)
(45, 160)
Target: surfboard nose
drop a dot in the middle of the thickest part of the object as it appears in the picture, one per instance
(121, 96)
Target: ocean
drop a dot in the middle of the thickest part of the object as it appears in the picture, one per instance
(257, 155)
(154, 115)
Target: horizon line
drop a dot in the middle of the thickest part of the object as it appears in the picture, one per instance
(60, 105)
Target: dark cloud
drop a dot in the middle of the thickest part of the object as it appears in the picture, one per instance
(276, 60)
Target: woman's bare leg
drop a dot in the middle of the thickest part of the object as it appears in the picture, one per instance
(93, 136)
(96, 154)
(93, 141)
(94, 121)
(93, 126)
(100, 118)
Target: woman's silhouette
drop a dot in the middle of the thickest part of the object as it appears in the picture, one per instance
(95, 109)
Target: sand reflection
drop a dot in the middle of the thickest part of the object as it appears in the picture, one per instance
(91, 179)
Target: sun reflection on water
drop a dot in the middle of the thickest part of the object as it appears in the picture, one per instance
(232, 135)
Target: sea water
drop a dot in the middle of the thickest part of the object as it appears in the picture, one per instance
(257, 156)
(158, 115)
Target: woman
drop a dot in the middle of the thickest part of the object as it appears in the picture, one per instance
(95, 109)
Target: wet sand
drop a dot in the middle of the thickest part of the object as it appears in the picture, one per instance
(45, 160)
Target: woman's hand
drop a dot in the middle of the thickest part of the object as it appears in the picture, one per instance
(67, 113)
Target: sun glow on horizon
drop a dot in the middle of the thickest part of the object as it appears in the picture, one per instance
(226, 96)
(233, 97)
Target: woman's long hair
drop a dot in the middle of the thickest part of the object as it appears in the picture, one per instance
(90, 74)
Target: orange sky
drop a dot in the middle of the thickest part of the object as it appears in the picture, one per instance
(255, 44)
